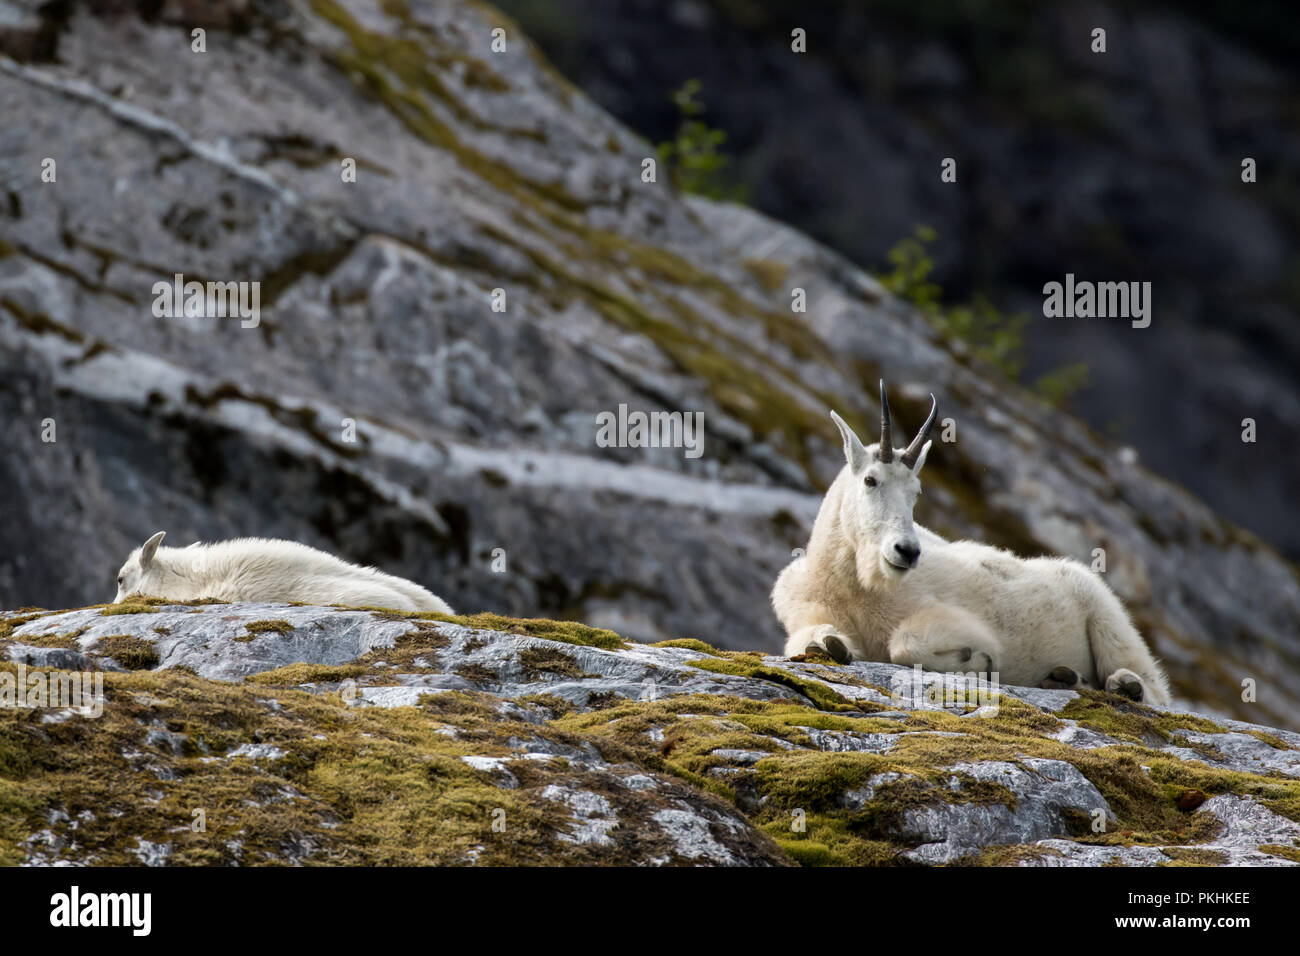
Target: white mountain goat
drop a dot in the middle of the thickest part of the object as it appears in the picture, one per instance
(874, 586)
(264, 569)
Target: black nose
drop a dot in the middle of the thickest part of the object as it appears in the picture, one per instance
(908, 552)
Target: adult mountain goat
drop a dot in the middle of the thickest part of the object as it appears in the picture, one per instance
(875, 586)
(264, 569)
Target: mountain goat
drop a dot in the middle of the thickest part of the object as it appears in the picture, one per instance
(874, 586)
(264, 569)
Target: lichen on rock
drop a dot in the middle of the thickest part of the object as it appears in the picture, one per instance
(391, 738)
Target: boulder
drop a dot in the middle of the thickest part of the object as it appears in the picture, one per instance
(239, 734)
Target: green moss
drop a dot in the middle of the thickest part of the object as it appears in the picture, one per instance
(695, 728)
(558, 706)
(538, 661)
(568, 632)
(254, 628)
(370, 777)
(691, 644)
(54, 640)
(294, 674)
(770, 273)
(402, 74)
(1117, 718)
(133, 653)
(1011, 855)
(406, 77)
(792, 721)
(388, 785)
(476, 673)
(1286, 852)
(1195, 856)
(809, 852)
(413, 651)
(743, 378)
(821, 695)
(1274, 741)
(9, 624)
(373, 787)
(133, 608)
(815, 781)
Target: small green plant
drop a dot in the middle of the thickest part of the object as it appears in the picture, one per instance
(693, 159)
(1058, 385)
(992, 336)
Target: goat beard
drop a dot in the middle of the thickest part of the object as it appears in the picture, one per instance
(874, 571)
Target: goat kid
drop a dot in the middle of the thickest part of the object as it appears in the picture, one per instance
(264, 569)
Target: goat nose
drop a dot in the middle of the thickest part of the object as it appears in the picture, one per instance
(908, 552)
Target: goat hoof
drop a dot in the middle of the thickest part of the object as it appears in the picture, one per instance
(983, 661)
(836, 649)
(1126, 685)
(1061, 678)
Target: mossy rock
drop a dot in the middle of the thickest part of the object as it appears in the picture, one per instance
(133, 653)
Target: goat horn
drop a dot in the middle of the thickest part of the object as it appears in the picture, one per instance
(914, 449)
(886, 432)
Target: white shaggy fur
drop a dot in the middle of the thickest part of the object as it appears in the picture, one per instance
(957, 606)
(264, 569)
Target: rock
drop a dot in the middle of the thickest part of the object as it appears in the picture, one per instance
(475, 469)
(1038, 795)
(1083, 175)
(366, 736)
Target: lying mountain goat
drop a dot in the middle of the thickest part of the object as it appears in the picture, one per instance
(264, 569)
(874, 586)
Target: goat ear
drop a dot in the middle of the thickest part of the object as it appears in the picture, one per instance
(854, 451)
(920, 459)
(149, 550)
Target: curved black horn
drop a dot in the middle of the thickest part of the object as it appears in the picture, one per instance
(913, 450)
(886, 432)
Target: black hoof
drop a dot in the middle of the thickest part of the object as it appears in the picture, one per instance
(1061, 678)
(836, 649)
(1130, 688)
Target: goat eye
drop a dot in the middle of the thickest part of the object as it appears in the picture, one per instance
(871, 482)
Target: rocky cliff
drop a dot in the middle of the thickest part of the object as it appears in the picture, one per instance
(274, 733)
(485, 179)
(1117, 165)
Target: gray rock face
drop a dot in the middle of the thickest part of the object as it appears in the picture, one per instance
(1246, 827)
(1090, 173)
(475, 468)
(802, 748)
(1041, 790)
